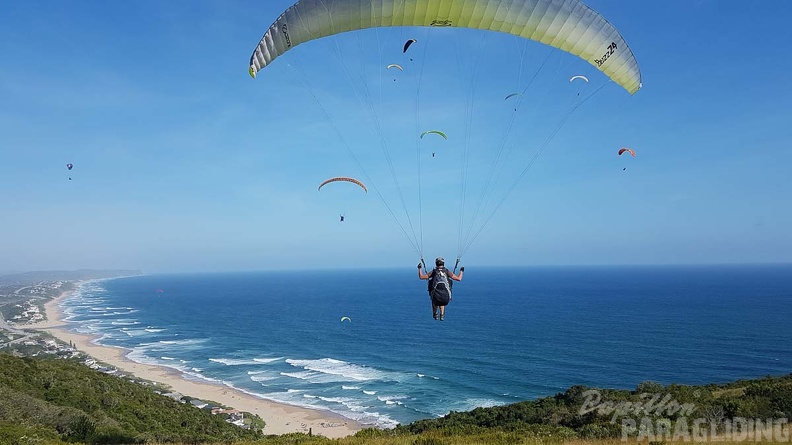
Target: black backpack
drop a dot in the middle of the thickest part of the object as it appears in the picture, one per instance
(440, 285)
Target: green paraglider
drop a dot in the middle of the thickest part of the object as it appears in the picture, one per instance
(434, 132)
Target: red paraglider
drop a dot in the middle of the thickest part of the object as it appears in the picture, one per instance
(628, 150)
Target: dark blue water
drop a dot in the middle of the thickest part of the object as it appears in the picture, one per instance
(509, 334)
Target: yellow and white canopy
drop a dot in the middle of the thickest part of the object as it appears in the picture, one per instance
(568, 25)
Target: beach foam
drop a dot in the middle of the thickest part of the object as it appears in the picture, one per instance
(340, 368)
(239, 362)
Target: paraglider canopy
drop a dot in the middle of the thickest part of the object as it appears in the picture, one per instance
(393, 65)
(69, 166)
(579, 77)
(628, 150)
(343, 179)
(569, 25)
(434, 132)
(347, 319)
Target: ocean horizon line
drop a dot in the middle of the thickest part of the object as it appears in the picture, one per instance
(429, 264)
(476, 267)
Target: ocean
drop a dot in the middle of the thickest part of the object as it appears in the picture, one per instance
(510, 334)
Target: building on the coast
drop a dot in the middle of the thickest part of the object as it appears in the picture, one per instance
(175, 396)
(235, 416)
(198, 403)
(225, 411)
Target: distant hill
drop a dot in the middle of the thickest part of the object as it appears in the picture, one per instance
(23, 278)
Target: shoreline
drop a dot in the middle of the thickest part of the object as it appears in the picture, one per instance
(280, 418)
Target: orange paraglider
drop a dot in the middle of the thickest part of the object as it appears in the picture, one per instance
(352, 180)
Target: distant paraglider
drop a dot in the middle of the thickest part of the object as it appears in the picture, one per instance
(437, 132)
(626, 150)
(512, 95)
(393, 65)
(343, 179)
(347, 319)
(70, 166)
(571, 79)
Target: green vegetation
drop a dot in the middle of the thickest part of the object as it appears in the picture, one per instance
(60, 400)
(563, 415)
(46, 401)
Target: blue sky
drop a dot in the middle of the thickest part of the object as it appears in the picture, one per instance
(182, 162)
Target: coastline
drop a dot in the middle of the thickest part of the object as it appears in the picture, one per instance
(280, 418)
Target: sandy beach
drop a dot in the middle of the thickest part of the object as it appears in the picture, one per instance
(280, 418)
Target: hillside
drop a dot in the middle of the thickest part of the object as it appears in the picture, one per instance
(58, 400)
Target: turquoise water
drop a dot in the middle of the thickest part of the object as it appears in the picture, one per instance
(509, 334)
